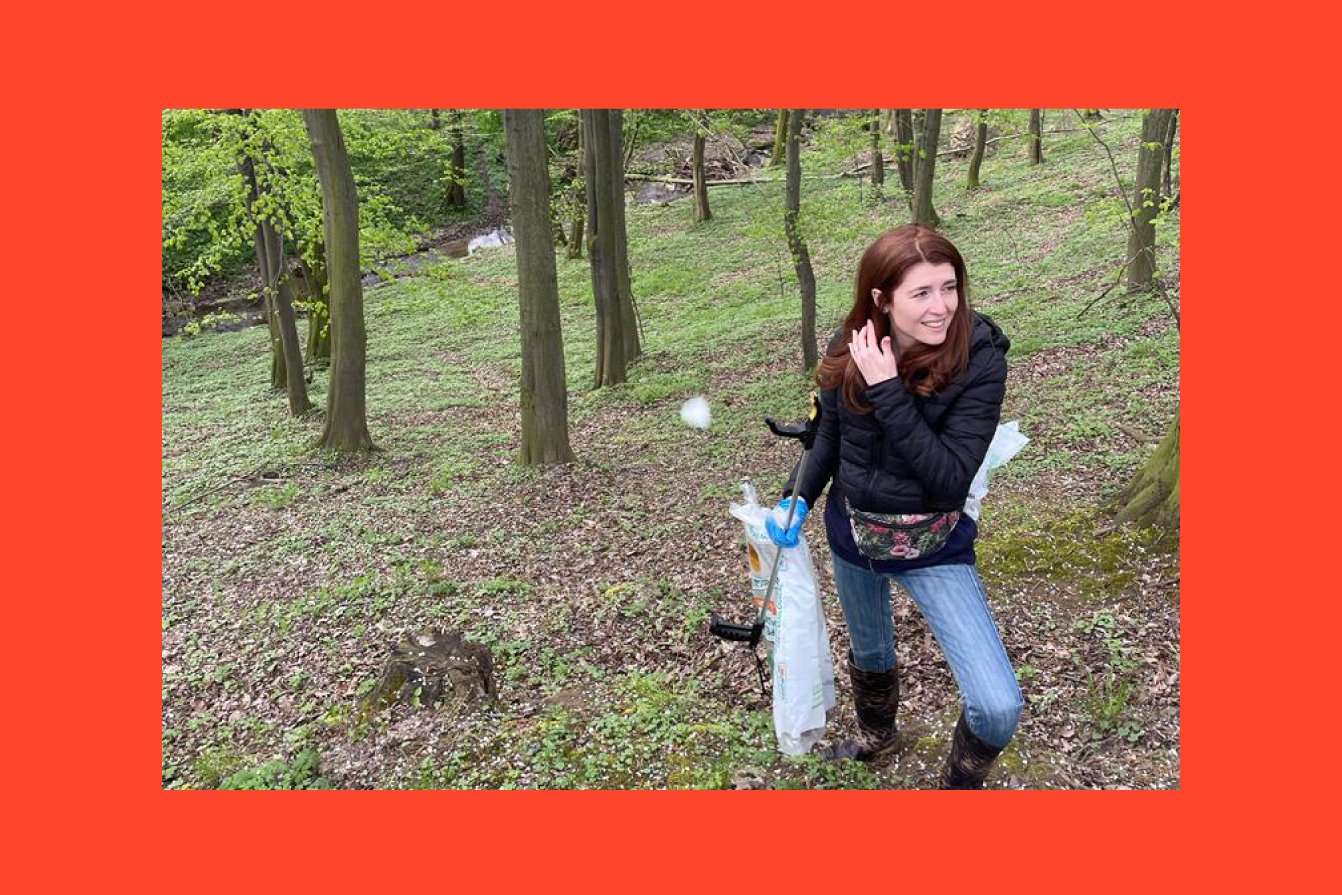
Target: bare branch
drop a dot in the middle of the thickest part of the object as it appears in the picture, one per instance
(1158, 284)
(1090, 128)
(1118, 278)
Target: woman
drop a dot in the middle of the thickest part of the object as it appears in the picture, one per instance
(911, 393)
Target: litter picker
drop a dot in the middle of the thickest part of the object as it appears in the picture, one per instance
(804, 432)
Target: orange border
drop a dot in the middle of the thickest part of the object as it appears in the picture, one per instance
(85, 186)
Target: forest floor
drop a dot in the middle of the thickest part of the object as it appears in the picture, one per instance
(288, 575)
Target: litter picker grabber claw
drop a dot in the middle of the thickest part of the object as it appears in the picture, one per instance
(804, 432)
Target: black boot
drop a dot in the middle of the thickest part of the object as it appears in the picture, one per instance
(876, 698)
(969, 760)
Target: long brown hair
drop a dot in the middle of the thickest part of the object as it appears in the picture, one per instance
(924, 368)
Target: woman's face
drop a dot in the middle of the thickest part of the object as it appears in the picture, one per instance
(922, 305)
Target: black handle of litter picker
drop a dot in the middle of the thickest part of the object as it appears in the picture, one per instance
(804, 431)
(731, 631)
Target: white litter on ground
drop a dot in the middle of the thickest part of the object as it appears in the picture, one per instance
(500, 236)
(695, 412)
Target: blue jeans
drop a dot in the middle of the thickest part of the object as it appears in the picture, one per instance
(955, 607)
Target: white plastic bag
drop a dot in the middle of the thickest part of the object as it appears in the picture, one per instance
(501, 236)
(1007, 442)
(794, 631)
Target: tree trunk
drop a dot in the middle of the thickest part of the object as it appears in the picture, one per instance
(1146, 200)
(780, 140)
(916, 116)
(701, 209)
(544, 397)
(923, 212)
(980, 146)
(435, 122)
(610, 361)
(247, 167)
(346, 427)
(623, 282)
(904, 152)
(575, 237)
(627, 153)
(1036, 136)
(286, 353)
(279, 378)
(801, 258)
(1152, 497)
(319, 316)
(456, 190)
(877, 158)
(1165, 188)
(278, 374)
(579, 220)
(282, 298)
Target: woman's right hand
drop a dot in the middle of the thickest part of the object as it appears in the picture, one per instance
(876, 362)
(777, 518)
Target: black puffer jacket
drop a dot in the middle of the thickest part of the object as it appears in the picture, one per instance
(911, 454)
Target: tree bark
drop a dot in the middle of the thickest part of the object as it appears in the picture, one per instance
(1036, 140)
(579, 221)
(1165, 188)
(923, 212)
(282, 296)
(1146, 200)
(916, 116)
(319, 317)
(627, 153)
(623, 281)
(247, 167)
(610, 359)
(780, 140)
(573, 249)
(1152, 497)
(544, 393)
(346, 428)
(286, 353)
(904, 151)
(278, 373)
(877, 158)
(701, 209)
(980, 146)
(801, 257)
(456, 190)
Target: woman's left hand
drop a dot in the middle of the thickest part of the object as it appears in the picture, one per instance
(877, 362)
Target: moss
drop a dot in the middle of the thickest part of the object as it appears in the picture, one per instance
(1081, 552)
(1010, 760)
(929, 747)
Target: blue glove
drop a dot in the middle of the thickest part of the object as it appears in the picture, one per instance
(790, 537)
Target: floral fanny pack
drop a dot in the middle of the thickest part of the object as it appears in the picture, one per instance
(885, 536)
